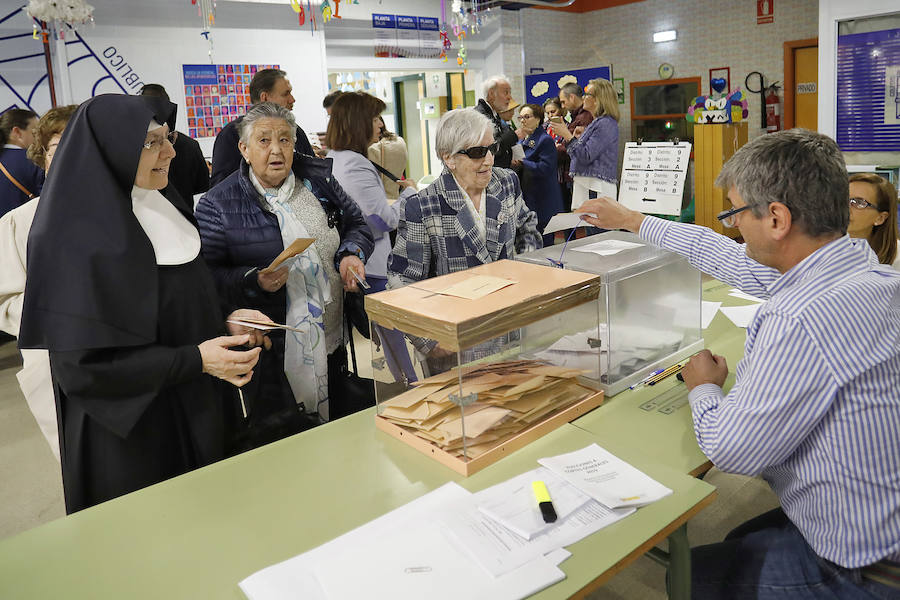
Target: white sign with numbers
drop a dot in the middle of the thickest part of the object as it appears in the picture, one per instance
(653, 175)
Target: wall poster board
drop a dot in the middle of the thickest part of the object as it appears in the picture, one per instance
(215, 95)
(541, 86)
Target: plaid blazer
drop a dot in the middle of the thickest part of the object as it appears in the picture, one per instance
(437, 233)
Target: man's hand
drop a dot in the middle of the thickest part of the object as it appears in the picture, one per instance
(705, 367)
(611, 215)
(350, 284)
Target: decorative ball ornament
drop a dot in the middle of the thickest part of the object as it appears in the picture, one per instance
(70, 12)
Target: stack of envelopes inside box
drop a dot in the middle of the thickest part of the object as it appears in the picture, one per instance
(511, 396)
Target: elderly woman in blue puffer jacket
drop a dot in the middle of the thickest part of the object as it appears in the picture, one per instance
(247, 220)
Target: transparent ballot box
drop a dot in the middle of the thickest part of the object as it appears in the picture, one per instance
(463, 364)
(649, 304)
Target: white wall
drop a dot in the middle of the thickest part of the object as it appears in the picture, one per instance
(157, 54)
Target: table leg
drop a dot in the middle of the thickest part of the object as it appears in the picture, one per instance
(679, 565)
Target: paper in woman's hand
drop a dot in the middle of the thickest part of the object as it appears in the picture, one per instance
(289, 254)
(260, 324)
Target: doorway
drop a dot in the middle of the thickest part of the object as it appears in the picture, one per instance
(408, 93)
(801, 84)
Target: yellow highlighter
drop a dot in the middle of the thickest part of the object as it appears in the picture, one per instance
(544, 503)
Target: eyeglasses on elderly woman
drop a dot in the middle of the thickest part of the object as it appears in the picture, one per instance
(157, 142)
(477, 152)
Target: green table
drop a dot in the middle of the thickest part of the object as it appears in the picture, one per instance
(656, 420)
(198, 535)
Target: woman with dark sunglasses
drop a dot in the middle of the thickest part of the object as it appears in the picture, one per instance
(472, 214)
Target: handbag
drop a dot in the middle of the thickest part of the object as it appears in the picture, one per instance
(355, 313)
(347, 391)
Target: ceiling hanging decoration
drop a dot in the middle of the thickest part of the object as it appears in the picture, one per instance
(59, 13)
(206, 10)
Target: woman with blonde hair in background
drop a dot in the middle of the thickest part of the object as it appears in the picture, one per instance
(594, 149)
(873, 215)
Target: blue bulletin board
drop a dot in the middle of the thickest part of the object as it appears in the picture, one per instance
(540, 86)
(868, 91)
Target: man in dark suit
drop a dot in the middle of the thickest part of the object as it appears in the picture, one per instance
(188, 171)
(497, 96)
(268, 85)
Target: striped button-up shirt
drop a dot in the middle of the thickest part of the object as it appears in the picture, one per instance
(815, 408)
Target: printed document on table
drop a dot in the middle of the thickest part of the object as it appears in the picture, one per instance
(741, 316)
(500, 551)
(391, 557)
(607, 247)
(744, 295)
(561, 221)
(606, 477)
(512, 503)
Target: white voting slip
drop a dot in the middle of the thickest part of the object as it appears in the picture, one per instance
(402, 554)
(606, 247)
(561, 221)
(741, 316)
(606, 477)
(708, 312)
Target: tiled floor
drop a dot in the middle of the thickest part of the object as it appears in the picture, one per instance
(31, 490)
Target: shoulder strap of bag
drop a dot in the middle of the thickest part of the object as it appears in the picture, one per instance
(384, 171)
(16, 183)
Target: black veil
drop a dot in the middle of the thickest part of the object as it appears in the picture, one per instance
(92, 280)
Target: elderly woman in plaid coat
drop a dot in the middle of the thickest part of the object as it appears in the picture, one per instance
(472, 214)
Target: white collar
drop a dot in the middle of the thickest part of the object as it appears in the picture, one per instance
(175, 240)
(5, 146)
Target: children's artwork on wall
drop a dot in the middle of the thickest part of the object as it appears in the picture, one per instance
(541, 86)
(718, 108)
(719, 81)
(218, 93)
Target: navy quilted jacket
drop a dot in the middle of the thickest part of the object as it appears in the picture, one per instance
(238, 233)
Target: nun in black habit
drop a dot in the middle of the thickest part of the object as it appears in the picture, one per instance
(118, 294)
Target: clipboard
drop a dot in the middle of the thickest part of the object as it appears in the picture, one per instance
(298, 246)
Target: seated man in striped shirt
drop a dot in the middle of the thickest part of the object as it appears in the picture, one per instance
(815, 408)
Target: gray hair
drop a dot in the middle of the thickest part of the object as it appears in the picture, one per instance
(492, 82)
(266, 110)
(801, 169)
(459, 129)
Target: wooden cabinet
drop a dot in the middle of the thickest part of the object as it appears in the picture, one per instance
(713, 146)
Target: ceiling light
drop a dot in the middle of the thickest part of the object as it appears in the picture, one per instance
(664, 36)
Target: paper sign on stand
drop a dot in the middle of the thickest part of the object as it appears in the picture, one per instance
(653, 176)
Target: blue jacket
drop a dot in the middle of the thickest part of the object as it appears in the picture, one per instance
(540, 186)
(25, 172)
(596, 152)
(238, 234)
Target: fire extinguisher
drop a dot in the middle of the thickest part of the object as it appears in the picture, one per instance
(773, 109)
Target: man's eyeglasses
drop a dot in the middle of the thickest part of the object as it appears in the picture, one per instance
(476, 152)
(157, 143)
(727, 216)
(861, 204)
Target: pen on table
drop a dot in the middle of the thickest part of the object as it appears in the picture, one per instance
(360, 280)
(647, 378)
(544, 502)
(670, 371)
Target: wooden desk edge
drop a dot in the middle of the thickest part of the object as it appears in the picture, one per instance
(601, 580)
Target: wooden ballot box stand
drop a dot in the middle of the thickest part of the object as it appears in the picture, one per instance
(714, 144)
